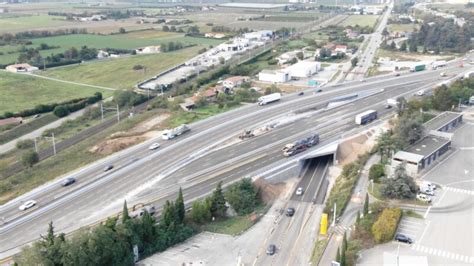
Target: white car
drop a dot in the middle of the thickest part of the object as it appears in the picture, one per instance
(25, 206)
(299, 191)
(427, 191)
(423, 197)
(154, 146)
(429, 185)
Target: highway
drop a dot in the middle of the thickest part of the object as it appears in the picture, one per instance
(192, 160)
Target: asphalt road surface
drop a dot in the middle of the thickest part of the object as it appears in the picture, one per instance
(141, 175)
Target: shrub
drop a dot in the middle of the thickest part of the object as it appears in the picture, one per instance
(29, 158)
(25, 144)
(243, 196)
(386, 225)
(60, 111)
(376, 172)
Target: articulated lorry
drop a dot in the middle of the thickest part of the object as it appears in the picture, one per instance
(366, 117)
(171, 133)
(437, 64)
(269, 98)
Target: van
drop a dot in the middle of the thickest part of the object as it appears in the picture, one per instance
(140, 212)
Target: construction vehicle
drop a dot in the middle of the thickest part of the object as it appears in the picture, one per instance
(246, 135)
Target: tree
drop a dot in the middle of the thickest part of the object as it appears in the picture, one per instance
(243, 196)
(29, 158)
(358, 217)
(168, 215)
(413, 48)
(409, 129)
(338, 255)
(343, 258)
(385, 33)
(138, 67)
(218, 207)
(393, 46)
(403, 47)
(376, 172)
(125, 216)
(60, 111)
(354, 61)
(400, 186)
(300, 55)
(166, 28)
(179, 204)
(344, 242)
(201, 211)
(366, 204)
(122, 30)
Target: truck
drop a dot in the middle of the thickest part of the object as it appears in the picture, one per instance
(469, 75)
(171, 133)
(300, 145)
(366, 117)
(437, 64)
(269, 98)
(418, 68)
(392, 102)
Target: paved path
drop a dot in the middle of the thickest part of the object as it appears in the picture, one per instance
(349, 216)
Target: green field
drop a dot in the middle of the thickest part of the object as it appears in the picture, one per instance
(122, 41)
(20, 92)
(118, 72)
(401, 27)
(25, 23)
(361, 20)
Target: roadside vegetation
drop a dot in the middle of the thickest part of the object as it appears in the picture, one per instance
(112, 242)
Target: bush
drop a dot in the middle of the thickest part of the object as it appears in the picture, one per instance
(60, 111)
(386, 225)
(376, 172)
(243, 196)
(25, 144)
(400, 186)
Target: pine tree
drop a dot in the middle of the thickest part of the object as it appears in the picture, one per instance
(344, 242)
(125, 216)
(48, 240)
(179, 205)
(218, 208)
(338, 255)
(358, 217)
(343, 258)
(366, 205)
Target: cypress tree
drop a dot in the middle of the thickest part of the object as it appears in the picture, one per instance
(179, 205)
(366, 204)
(125, 215)
(338, 255)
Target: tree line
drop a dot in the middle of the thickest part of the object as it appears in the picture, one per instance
(113, 241)
(22, 37)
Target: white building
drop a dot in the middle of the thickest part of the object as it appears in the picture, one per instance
(275, 76)
(258, 35)
(303, 69)
(149, 50)
(21, 68)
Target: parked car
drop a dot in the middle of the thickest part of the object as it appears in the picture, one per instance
(299, 191)
(403, 238)
(426, 190)
(271, 249)
(290, 212)
(154, 146)
(423, 197)
(429, 185)
(108, 168)
(28, 204)
(68, 181)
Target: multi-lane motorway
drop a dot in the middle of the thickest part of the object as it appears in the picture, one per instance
(196, 161)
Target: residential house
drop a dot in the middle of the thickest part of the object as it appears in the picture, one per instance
(340, 49)
(214, 35)
(233, 82)
(21, 68)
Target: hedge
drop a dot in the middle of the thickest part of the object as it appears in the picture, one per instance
(386, 225)
(71, 105)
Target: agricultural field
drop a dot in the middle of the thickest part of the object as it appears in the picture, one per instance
(361, 20)
(12, 24)
(20, 92)
(402, 27)
(130, 40)
(118, 72)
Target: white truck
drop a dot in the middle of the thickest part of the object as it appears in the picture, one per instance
(392, 102)
(366, 117)
(269, 98)
(171, 133)
(437, 64)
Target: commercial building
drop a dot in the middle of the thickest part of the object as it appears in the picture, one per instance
(303, 69)
(431, 147)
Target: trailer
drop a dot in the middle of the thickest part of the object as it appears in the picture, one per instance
(171, 133)
(366, 117)
(418, 68)
(437, 64)
(269, 98)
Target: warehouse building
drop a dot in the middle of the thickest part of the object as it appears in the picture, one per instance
(304, 69)
(430, 148)
(274, 76)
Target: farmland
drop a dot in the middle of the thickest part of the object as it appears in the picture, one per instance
(123, 41)
(20, 92)
(361, 20)
(118, 73)
(401, 27)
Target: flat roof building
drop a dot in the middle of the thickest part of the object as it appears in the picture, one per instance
(444, 122)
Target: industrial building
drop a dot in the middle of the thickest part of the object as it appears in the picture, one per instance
(430, 148)
(275, 76)
(302, 69)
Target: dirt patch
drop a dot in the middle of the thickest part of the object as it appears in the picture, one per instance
(270, 192)
(113, 145)
(287, 88)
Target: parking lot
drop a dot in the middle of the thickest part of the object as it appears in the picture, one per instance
(446, 234)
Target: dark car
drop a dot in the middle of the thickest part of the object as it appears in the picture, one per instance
(320, 90)
(403, 238)
(300, 93)
(388, 106)
(68, 181)
(271, 249)
(108, 168)
(290, 212)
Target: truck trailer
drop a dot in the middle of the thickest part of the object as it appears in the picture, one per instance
(366, 117)
(171, 133)
(437, 64)
(418, 68)
(269, 98)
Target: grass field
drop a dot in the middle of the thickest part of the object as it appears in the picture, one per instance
(118, 73)
(401, 27)
(20, 92)
(123, 41)
(24, 23)
(361, 20)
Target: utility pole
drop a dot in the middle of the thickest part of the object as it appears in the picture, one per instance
(334, 216)
(54, 144)
(101, 111)
(36, 145)
(118, 114)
